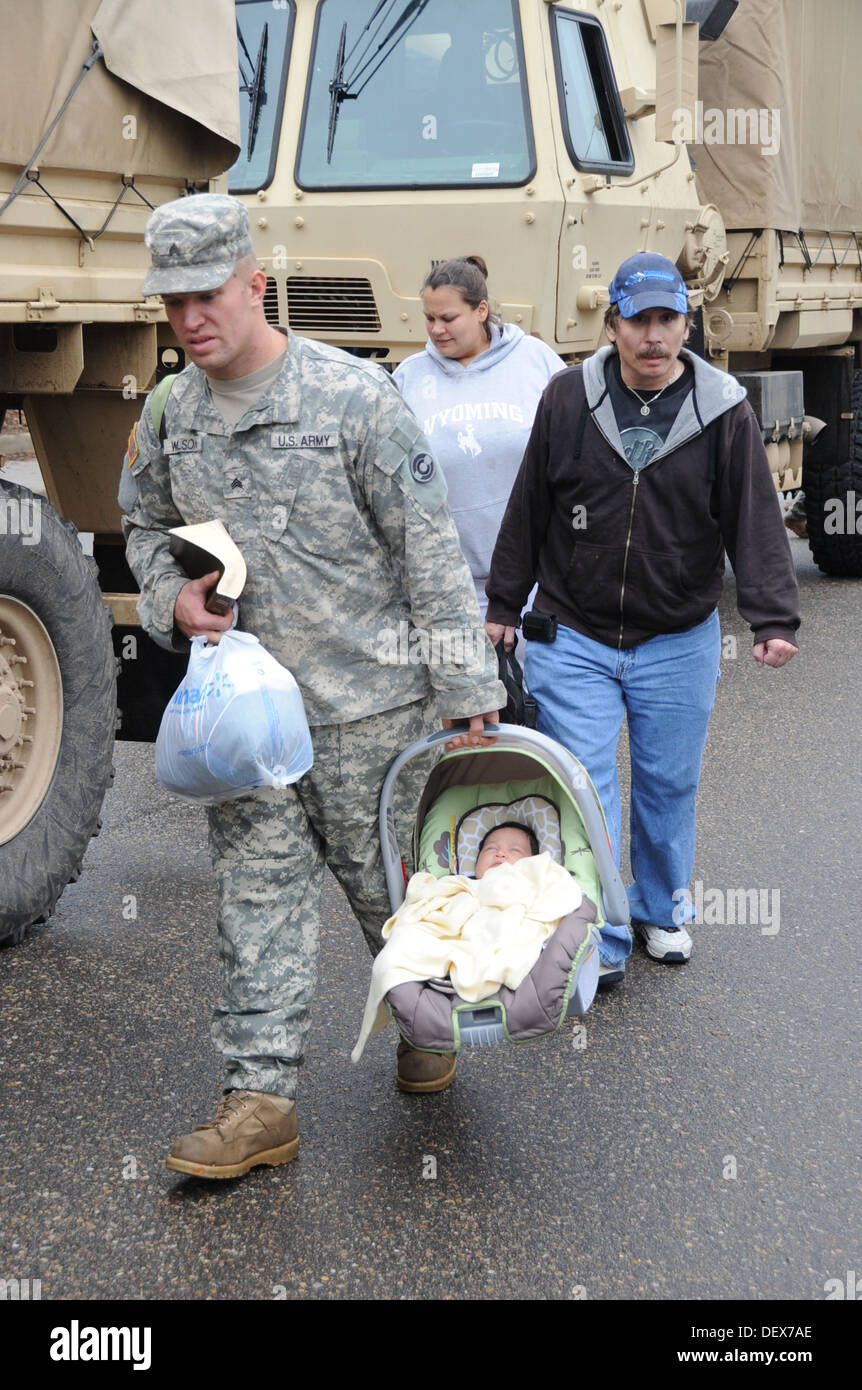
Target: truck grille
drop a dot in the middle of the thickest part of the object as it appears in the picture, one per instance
(324, 304)
(270, 301)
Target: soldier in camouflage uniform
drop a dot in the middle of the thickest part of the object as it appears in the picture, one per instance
(327, 485)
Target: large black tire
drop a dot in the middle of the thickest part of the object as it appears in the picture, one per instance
(831, 492)
(49, 597)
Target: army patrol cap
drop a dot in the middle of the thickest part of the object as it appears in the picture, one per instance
(195, 243)
(648, 281)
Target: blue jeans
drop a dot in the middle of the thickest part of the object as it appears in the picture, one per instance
(667, 689)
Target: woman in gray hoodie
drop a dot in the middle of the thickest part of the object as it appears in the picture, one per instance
(474, 389)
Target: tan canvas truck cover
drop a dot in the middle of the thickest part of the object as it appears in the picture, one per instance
(158, 112)
(799, 58)
(180, 55)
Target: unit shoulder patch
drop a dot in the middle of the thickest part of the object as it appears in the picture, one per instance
(422, 467)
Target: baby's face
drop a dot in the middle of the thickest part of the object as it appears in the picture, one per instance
(504, 846)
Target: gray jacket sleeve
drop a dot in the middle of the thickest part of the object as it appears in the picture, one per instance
(754, 533)
(405, 490)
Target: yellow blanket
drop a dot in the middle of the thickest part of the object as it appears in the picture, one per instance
(482, 933)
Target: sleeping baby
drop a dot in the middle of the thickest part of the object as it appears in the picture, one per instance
(478, 932)
(505, 844)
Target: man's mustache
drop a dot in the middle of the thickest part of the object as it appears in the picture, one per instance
(654, 352)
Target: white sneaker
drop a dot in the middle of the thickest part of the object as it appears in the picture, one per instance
(672, 945)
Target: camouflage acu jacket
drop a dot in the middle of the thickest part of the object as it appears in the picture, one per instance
(356, 581)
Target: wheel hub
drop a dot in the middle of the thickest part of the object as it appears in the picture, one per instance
(10, 717)
(31, 715)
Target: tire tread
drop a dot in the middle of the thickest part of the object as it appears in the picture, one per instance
(837, 555)
(58, 582)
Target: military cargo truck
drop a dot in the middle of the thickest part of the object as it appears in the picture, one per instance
(555, 137)
(109, 108)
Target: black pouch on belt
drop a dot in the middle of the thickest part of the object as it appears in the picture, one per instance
(539, 627)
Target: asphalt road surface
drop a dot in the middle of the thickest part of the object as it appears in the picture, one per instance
(697, 1141)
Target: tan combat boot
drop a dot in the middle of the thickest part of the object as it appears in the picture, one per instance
(250, 1127)
(424, 1071)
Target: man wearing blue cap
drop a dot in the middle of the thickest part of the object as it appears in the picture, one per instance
(644, 467)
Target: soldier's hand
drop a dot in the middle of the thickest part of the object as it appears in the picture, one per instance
(774, 652)
(191, 615)
(474, 736)
(496, 631)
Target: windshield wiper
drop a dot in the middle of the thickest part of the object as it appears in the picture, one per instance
(254, 85)
(337, 91)
(340, 87)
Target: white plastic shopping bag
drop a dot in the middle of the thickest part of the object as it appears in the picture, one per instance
(236, 723)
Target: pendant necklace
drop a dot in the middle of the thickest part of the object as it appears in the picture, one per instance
(644, 404)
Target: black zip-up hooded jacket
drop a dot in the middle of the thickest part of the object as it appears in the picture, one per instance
(622, 556)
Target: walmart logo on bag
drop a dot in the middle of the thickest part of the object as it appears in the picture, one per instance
(193, 752)
(190, 697)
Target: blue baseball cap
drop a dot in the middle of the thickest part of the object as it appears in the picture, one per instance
(648, 281)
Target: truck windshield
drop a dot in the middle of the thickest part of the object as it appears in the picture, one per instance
(415, 95)
(263, 31)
